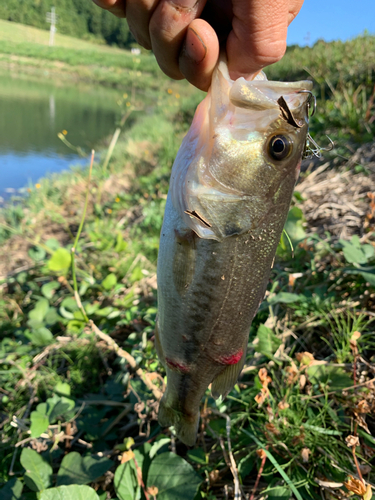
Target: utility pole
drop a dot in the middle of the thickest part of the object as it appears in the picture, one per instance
(52, 19)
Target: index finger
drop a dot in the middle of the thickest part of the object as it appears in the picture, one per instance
(117, 7)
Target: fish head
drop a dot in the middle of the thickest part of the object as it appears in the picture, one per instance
(260, 134)
(248, 138)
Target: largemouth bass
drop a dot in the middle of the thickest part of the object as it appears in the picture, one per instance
(230, 191)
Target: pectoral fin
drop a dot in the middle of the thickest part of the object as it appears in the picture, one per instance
(229, 215)
(224, 383)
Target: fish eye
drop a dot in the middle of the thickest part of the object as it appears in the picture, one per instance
(279, 147)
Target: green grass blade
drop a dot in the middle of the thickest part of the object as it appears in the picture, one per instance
(276, 465)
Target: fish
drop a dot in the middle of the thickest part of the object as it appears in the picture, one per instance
(230, 191)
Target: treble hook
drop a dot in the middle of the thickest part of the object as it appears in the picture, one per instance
(316, 151)
(309, 99)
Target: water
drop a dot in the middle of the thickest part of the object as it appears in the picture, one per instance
(33, 113)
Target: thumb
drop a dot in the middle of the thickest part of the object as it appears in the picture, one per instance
(258, 36)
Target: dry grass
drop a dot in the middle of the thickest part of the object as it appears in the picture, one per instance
(341, 201)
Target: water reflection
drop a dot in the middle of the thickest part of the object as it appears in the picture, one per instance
(52, 110)
(31, 116)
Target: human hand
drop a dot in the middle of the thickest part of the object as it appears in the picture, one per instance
(185, 34)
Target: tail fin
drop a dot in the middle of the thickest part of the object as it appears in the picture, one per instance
(186, 426)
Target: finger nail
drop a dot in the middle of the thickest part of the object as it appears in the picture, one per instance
(194, 47)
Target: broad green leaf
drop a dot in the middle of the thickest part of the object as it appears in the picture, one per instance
(278, 493)
(38, 472)
(142, 456)
(48, 289)
(12, 490)
(70, 304)
(41, 336)
(158, 445)
(37, 253)
(40, 310)
(42, 408)
(246, 465)
(294, 224)
(60, 260)
(58, 407)
(89, 421)
(78, 315)
(120, 243)
(367, 273)
(109, 282)
(369, 251)
(84, 286)
(22, 277)
(356, 253)
(267, 341)
(52, 317)
(53, 244)
(73, 492)
(39, 423)
(105, 311)
(217, 427)
(75, 326)
(353, 254)
(332, 376)
(77, 470)
(285, 298)
(91, 308)
(174, 477)
(136, 275)
(125, 482)
(62, 388)
(370, 278)
(68, 307)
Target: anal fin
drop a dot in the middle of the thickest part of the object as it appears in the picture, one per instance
(224, 383)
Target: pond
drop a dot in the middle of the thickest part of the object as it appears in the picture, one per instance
(32, 113)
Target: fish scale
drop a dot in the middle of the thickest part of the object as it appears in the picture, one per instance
(228, 201)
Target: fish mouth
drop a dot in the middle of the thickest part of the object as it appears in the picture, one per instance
(264, 95)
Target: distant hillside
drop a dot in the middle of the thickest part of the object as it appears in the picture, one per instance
(79, 18)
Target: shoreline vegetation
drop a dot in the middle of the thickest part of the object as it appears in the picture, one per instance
(25, 50)
(79, 376)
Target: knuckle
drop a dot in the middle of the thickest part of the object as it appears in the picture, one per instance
(172, 71)
(269, 51)
(160, 31)
(139, 37)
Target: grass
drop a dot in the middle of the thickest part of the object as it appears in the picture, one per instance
(75, 408)
(10, 32)
(26, 49)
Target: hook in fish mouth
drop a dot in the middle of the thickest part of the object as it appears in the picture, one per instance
(310, 99)
(312, 149)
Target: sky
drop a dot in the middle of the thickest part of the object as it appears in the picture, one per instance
(331, 20)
